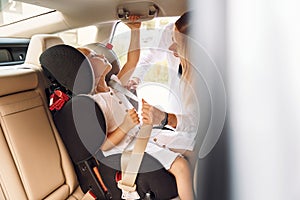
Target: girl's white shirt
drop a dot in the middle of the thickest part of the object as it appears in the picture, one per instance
(114, 106)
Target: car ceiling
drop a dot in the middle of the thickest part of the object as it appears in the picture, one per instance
(78, 13)
(106, 10)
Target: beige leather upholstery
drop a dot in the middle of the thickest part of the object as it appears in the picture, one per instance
(38, 44)
(9, 85)
(34, 161)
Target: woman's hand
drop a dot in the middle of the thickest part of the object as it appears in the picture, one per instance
(133, 24)
(151, 114)
(131, 119)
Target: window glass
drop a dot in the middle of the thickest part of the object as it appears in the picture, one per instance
(150, 38)
(13, 11)
(80, 36)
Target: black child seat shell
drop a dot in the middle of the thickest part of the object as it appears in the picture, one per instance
(82, 127)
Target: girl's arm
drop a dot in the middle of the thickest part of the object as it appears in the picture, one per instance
(131, 119)
(133, 54)
(113, 139)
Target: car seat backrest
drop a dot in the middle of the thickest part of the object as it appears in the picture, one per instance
(34, 163)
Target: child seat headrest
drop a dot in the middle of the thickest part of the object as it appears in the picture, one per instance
(69, 67)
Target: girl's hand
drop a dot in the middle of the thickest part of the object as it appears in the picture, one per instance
(133, 24)
(131, 120)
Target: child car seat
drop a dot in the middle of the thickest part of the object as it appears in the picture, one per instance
(82, 127)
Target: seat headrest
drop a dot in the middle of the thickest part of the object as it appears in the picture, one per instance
(13, 80)
(38, 44)
(69, 67)
(110, 55)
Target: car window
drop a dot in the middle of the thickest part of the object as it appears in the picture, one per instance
(80, 36)
(150, 37)
(13, 11)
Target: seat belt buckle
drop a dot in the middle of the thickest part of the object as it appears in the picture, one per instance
(118, 176)
(57, 100)
(128, 192)
(126, 187)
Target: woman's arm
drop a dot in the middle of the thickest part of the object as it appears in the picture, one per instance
(133, 54)
(172, 120)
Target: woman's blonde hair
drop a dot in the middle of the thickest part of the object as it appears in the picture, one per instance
(183, 25)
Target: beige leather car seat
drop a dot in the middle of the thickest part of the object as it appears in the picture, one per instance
(38, 44)
(34, 161)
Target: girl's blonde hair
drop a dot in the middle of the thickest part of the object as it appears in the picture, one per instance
(84, 50)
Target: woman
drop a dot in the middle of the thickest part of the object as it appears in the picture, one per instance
(185, 124)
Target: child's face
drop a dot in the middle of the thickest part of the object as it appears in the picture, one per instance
(100, 65)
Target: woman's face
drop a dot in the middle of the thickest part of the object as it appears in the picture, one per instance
(177, 42)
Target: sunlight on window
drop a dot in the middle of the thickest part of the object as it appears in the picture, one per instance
(13, 11)
(80, 36)
(150, 37)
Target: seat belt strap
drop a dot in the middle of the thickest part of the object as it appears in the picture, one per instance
(131, 162)
(117, 86)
